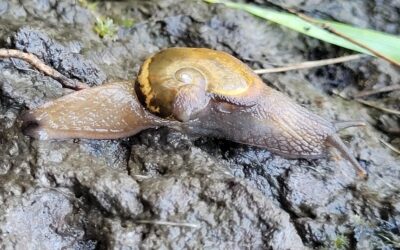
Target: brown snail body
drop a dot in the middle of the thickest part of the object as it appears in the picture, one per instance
(201, 91)
(109, 111)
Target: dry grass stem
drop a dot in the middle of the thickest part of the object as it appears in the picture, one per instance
(366, 103)
(373, 105)
(309, 64)
(390, 146)
(377, 91)
(393, 131)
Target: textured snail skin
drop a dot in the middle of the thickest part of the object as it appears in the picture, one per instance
(199, 91)
(110, 111)
(226, 99)
(276, 123)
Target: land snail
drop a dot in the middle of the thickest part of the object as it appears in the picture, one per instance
(199, 91)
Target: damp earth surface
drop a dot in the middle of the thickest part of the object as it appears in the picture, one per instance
(161, 189)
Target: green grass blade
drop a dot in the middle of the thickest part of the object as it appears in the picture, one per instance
(386, 44)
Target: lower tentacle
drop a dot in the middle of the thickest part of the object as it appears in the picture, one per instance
(340, 125)
(336, 142)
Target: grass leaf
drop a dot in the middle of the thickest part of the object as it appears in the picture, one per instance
(386, 44)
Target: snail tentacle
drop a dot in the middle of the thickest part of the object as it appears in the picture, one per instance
(336, 142)
(189, 100)
(340, 125)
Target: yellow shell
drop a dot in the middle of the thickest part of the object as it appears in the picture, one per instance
(164, 73)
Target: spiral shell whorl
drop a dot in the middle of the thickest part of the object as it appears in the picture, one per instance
(218, 73)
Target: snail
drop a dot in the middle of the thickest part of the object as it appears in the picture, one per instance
(199, 91)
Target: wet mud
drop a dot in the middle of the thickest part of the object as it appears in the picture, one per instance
(162, 189)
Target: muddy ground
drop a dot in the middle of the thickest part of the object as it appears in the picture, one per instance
(116, 194)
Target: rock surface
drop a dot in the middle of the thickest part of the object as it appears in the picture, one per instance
(161, 189)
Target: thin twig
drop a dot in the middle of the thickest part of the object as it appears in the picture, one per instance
(38, 64)
(377, 91)
(309, 64)
(390, 146)
(393, 131)
(367, 103)
(371, 104)
(332, 30)
(341, 94)
(167, 223)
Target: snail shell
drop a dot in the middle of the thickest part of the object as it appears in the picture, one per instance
(198, 72)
